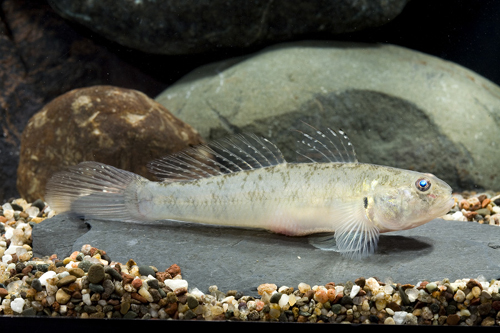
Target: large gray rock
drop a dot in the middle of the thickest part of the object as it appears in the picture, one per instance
(183, 27)
(243, 259)
(400, 107)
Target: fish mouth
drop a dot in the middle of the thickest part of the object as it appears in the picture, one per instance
(446, 206)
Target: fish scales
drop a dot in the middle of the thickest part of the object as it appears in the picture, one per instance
(244, 181)
(268, 198)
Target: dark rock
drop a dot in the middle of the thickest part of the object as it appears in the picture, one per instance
(401, 256)
(182, 27)
(62, 230)
(116, 126)
(42, 57)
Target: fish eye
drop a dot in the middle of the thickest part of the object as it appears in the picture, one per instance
(423, 184)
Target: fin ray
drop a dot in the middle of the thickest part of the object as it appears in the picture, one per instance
(236, 153)
(327, 146)
(355, 235)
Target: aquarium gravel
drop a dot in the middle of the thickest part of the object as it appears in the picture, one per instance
(88, 284)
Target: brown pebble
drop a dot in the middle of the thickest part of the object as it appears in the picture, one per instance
(360, 281)
(482, 197)
(173, 270)
(330, 285)
(138, 297)
(3, 292)
(127, 278)
(26, 270)
(77, 294)
(78, 272)
(162, 276)
(394, 306)
(302, 319)
(124, 307)
(469, 215)
(66, 281)
(136, 283)
(464, 204)
(453, 319)
(171, 309)
(474, 283)
(485, 203)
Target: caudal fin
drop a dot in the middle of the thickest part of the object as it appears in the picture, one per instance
(95, 191)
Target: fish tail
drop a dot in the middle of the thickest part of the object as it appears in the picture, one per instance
(94, 190)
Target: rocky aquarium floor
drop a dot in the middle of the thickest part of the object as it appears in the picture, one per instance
(88, 284)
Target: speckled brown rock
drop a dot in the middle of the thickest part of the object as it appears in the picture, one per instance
(116, 126)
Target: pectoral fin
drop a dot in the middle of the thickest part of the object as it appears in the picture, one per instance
(355, 235)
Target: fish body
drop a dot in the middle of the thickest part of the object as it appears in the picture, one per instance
(245, 182)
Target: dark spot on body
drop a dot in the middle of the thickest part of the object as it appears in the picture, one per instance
(365, 202)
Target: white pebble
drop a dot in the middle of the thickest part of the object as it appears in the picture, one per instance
(354, 291)
(17, 305)
(283, 300)
(176, 284)
(32, 211)
(45, 276)
(7, 206)
(86, 299)
(196, 293)
(372, 284)
(6, 258)
(399, 317)
(412, 294)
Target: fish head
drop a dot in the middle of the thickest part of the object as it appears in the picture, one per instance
(410, 199)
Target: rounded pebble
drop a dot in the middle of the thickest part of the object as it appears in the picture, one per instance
(95, 273)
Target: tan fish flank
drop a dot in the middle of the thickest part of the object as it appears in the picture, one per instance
(244, 181)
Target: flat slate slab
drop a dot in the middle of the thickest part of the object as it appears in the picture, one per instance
(242, 259)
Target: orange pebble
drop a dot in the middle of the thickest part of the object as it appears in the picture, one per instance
(332, 294)
(485, 202)
(321, 296)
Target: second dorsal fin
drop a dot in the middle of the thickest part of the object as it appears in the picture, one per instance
(326, 146)
(236, 153)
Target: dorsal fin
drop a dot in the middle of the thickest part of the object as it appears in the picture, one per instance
(316, 146)
(236, 153)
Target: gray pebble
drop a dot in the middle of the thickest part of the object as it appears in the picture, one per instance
(146, 270)
(336, 308)
(29, 312)
(36, 285)
(39, 204)
(42, 267)
(153, 283)
(130, 315)
(253, 315)
(108, 287)
(85, 265)
(113, 273)
(97, 288)
(275, 298)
